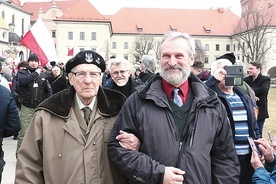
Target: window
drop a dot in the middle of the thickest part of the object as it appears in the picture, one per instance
(93, 36)
(239, 46)
(93, 49)
(217, 47)
(3, 14)
(206, 59)
(53, 33)
(82, 36)
(70, 35)
(227, 47)
(234, 47)
(81, 49)
(126, 56)
(125, 45)
(206, 47)
(114, 45)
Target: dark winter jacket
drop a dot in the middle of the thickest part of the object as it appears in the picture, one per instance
(261, 87)
(58, 83)
(34, 87)
(248, 104)
(207, 153)
(9, 118)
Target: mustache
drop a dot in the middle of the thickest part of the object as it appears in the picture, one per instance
(173, 67)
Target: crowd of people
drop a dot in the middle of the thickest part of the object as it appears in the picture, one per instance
(97, 121)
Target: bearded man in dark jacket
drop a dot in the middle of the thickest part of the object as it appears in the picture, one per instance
(182, 126)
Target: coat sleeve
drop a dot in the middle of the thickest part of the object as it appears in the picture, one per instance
(225, 163)
(24, 79)
(48, 89)
(262, 176)
(29, 167)
(12, 124)
(263, 88)
(137, 166)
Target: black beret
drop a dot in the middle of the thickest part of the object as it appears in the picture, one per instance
(230, 56)
(86, 57)
(33, 57)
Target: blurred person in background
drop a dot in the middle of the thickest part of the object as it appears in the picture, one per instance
(121, 75)
(9, 120)
(261, 85)
(148, 68)
(34, 89)
(57, 81)
(198, 70)
(107, 81)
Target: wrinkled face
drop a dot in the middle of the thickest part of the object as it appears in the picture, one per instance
(86, 79)
(56, 71)
(253, 71)
(175, 65)
(33, 64)
(120, 74)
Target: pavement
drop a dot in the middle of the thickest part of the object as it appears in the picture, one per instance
(9, 147)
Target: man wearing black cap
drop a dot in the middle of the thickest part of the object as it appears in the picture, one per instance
(66, 140)
(34, 88)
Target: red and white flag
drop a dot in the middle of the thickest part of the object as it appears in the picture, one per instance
(39, 41)
(71, 50)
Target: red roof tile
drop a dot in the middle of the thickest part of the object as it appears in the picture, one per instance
(160, 21)
(83, 10)
(34, 7)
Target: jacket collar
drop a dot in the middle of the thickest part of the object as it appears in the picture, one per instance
(109, 102)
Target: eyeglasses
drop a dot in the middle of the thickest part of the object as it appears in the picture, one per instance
(116, 73)
(82, 75)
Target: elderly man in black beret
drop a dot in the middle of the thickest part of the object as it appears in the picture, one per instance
(67, 138)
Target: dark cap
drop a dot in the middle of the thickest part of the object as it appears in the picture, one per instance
(33, 57)
(230, 56)
(85, 57)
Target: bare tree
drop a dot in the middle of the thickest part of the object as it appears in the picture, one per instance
(142, 45)
(253, 34)
(199, 51)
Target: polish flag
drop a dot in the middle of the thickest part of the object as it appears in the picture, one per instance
(39, 41)
(70, 50)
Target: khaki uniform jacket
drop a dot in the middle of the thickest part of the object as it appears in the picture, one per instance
(58, 150)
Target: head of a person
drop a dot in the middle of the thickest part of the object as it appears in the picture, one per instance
(220, 64)
(56, 71)
(197, 67)
(176, 53)
(106, 64)
(33, 61)
(137, 72)
(254, 68)
(84, 73)
(119, 70)
(148, 64)
(230, 56)
(22, 65)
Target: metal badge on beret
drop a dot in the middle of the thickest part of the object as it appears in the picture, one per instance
(86, 57)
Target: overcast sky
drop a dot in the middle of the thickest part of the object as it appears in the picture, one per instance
(107, 7)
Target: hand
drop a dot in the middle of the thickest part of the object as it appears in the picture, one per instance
(128, 141)
(173, 176)
(39, 70)
(255, 160)
(266, 149)
(220, 74)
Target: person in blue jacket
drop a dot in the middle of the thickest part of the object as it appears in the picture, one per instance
(9, 120)
(264, 173)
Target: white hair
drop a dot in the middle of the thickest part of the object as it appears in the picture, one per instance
(218, 63)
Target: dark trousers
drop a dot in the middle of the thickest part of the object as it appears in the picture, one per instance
(247, 170)
(261, 126)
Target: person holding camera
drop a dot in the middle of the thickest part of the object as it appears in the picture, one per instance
(264, 173)
(240, 112)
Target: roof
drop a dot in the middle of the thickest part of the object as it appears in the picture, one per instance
(83, 10)
(159, 21)
(34, 7)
